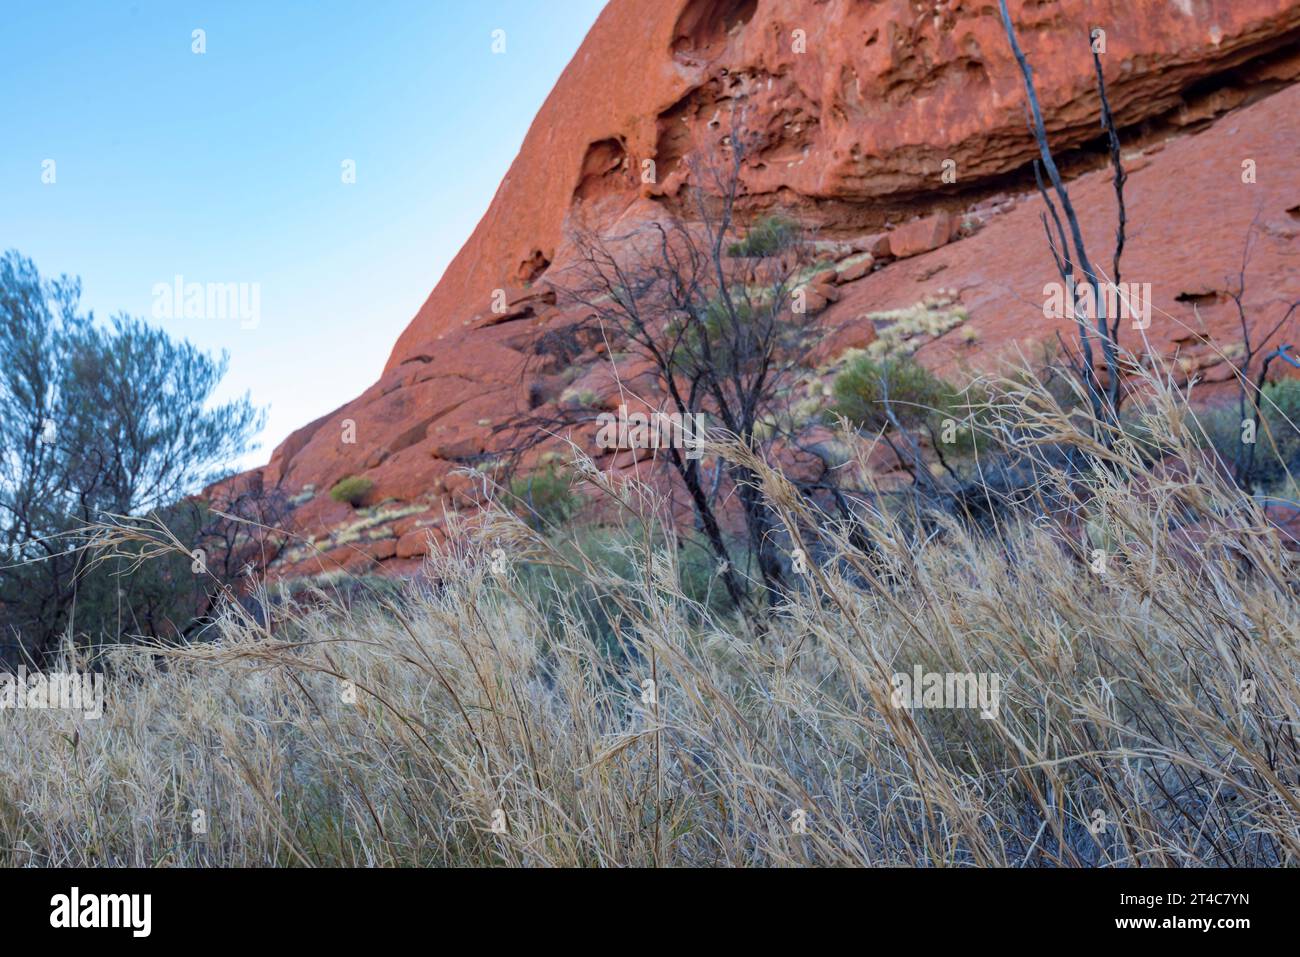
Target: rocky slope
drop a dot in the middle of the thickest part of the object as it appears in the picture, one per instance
(859, 105)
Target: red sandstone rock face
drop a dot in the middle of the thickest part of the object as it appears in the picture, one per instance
(1194, 213)
(882, 95)
(858, 106)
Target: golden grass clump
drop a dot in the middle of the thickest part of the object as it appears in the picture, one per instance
(486, 716)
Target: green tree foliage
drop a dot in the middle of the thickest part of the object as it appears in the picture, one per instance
(96, 420)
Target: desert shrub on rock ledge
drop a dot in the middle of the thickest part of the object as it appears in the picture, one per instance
(352, 490)
(901, 331)
(767, 237)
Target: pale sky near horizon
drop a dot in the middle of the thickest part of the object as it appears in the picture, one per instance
(227, 166)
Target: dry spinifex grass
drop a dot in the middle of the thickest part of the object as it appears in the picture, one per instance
(493, 719)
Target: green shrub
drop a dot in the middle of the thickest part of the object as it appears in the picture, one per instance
(1281, 408)
(1279, 419)
(546, 497)
(352, 490)
(915, 394)
(565, 594)
(767, 237)
(953, 419)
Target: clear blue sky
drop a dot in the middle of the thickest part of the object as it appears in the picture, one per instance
(227, 166)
